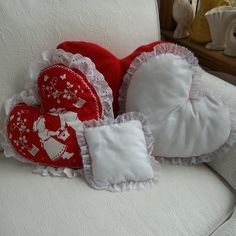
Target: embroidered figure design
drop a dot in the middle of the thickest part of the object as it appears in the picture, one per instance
(52, 146)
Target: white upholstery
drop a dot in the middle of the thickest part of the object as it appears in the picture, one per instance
(30, 27)
(225, 166)
(187, 201)
(228, 228)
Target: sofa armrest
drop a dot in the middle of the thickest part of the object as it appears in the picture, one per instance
(225, 166)
(228, 228)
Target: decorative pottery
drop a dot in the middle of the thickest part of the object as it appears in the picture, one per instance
(218, 19)
(230, 40)
(183, 14)
(199, 30)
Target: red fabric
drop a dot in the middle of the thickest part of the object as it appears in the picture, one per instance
(39, 137)
(46, 138)
(45, 134)
(65, 88)
(110, 66)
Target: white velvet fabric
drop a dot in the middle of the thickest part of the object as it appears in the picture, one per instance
(181, 126)
(187, 201)
(118, 153)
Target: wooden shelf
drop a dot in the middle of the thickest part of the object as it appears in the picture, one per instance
(214, 60)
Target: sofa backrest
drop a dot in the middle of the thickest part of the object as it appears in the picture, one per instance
(29, 27)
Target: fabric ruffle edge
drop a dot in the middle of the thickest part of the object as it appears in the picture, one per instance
(196, 91)
(83, 64)
(58, 172)
(159, 49)
(128, 185)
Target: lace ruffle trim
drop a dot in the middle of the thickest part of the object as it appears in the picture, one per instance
(85, 65)
(57, 172)
(159, 49)
(128, 185)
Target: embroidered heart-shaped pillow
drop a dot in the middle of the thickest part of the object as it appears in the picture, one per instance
(63, 88)
(42, 137)
(66, 81)
(66, 89)
(189, 123)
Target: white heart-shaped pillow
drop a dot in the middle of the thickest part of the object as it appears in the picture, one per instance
(189, 124)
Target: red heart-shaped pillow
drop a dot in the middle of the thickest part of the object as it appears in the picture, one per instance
(44, 138)
(106, 63)
(66, 90)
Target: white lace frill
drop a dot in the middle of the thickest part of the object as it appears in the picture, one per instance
(57, 172)
(81, 63)
(159, 49)
(196, 91)
(128, 185)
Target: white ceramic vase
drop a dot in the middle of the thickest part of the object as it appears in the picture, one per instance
(230, 40)
(218, 19)
(183, 14)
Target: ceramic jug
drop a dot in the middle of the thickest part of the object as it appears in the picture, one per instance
(218, 19)
(230, 40)
(199, 30)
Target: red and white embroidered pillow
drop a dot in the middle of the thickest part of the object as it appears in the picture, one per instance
(66, 90)
(189, 123)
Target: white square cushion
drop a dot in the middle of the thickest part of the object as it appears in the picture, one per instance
(116, 153)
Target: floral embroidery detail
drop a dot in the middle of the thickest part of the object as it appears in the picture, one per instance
(20, 124)
(70, 93)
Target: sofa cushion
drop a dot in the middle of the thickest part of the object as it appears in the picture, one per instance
(228, 228)
(226, 166)
(187, 201)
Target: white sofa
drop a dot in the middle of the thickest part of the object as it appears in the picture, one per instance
(188, 201)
